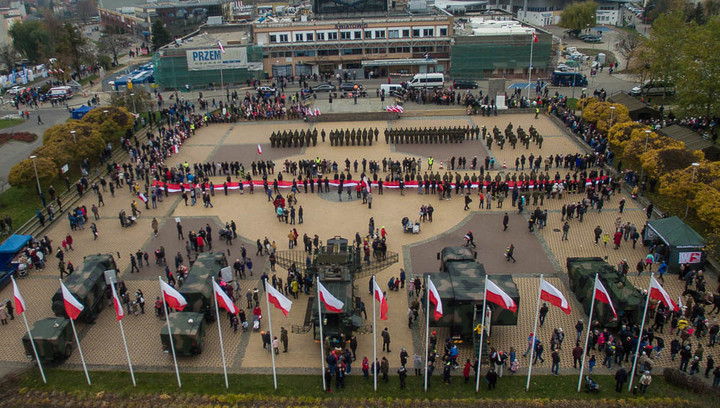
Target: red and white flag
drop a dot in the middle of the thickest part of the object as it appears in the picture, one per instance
(19, 301)
(222, 49)
(332, 303)
(119, 312)
(680, 302)
(142, 197)
(366, 183)
(380, 297)
(550, 293)
(172, 297)
(259, 149)
(435, 299)
(176, 149)
(658, 293)
(603, 296)
(535, 39)
(278, 299)
(73, 307)
(224, 300)
(498, 296)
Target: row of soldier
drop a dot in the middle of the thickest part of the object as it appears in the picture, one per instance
(294, 138)
(443, 134)
(352, 137)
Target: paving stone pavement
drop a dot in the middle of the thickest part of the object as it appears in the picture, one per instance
(545, 252)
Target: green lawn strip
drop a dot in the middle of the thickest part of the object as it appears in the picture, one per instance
(509, 387)
(20, 204)
(87, 79)
(6, 123)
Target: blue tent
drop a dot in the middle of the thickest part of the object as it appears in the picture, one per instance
(78, 113)
(8, 249)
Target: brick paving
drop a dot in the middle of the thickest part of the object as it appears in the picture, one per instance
(539, 252)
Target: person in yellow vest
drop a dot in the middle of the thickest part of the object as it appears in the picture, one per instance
(430, 162)
(537, 112)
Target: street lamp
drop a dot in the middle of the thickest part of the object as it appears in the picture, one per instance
(687, 204)
(612, 111)
(132, 95)
(72, 132)
(642, 169)
(37, 178)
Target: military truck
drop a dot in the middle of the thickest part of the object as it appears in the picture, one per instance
(188, 332)
(455, 254)
(338, 251)
(336, 279)
(53, 339)
(627, 299)
(197, 288)
(88, 285)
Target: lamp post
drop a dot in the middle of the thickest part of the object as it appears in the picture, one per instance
(642, 169)
(37, 178)
(72, 132)
(132, 96)
(612, 111)
(687, 204)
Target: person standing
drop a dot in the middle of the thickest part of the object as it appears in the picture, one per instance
(509, 253)
(621, 377)
(284, 339)
(579, 329)
(555, 362)
(402, 375)
(386, 340)
(542, 314)
(565, 229)
(384, 368)
(10, 310)
(328, 379)
(577, 353)
(506, 221)
(491, 378)
(645, 381)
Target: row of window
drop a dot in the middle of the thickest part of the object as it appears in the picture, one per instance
(358, 35)
(357, 51)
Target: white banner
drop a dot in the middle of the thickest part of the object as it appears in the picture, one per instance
(214, 59)
(689, 257)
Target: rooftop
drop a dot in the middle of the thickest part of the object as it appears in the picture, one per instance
(240, 36)
(482, 26)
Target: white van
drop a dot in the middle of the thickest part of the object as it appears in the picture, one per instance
(427, 81)
(60, 92)
(388, 89)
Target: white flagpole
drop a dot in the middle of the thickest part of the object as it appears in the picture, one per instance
(532, 42)
(122, 332)
(32, 341)
(322, 339)
(272, 349)
(534, 339)
(375, 368)
(587, 334)
(77, 340)
(642, 327)
(427, 328)
(482, 332)
(172, 343)
(222, 346)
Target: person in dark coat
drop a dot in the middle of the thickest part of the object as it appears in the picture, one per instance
(621, 377)
(491, 378)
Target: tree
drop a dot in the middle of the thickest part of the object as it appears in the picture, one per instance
(134, 100)
(657, 162)
(601, 115)
(628, 42)
(23, 174)
(8, 56)
(112, 44)
(86, 9)
(698, 79)
(578, 16)
(620, 133)
(73, 47)
(160, 35)
(31, 39)
(110, 121)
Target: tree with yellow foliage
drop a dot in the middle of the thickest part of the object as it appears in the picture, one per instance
(111, 121)
(707, 206)
(657, 162)
(620, 133)
(601, 114)
(636, 146)
(23, 173)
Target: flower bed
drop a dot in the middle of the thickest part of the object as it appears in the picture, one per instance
(26, 137)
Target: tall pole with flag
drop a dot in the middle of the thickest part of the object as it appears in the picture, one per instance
(20, 309)
(282, 303)
(169, 294)
(332, 304)
(427, 332)
(640, 335)
(600, 294)
(532, 42)
(272, 339)
(73, 308)
(322, 339)
(120, 313)
(482, 331)
(375, 368)
(222, 50)
(534, 335)
(228, 305)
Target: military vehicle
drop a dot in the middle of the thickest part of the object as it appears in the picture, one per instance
(336, 251)
(197, 288)
(455, 254)
(53, 340)
(627, 299)
(188, 331)
(88, 285)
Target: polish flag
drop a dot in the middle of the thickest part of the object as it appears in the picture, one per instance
(658, 293)
(380, 297)
(73, 307)
(680, 302)
(176, 149)
(222, 49)
(366, 183)
(550, 293)
(278, 300)
(435, 299)
(142, 197)
(602, 295)
(119, 312)
(224, 300)
(331, 302)
(19, 301)
(499, 297)
(172, 297)
(535, 39)
(259, 149)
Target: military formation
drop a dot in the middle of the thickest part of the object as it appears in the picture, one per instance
(443, 134)
(294, 138)
(352, 137)
(511, 137)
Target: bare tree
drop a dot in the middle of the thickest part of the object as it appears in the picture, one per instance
(8, 56)
(628, 42)
(112, 44)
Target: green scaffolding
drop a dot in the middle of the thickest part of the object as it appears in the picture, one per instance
(479, 60)
(171, 71)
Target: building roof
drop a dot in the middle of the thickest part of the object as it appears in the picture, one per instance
(636, 109)
(241, 36)
(692, 140)
(676, 233)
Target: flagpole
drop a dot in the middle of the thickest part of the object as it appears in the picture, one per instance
(222, 346)
(122, 332)
(77, 340)
(534, 339)
(532, 42)
(482, 332)
(170, 335)
(642, 327)
(272, 349)
(374, 337)
(32, 341)
(427, 328)
(320, 324)
(587, 334)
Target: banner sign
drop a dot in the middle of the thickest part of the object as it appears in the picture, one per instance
(214, 59)
(689, 257)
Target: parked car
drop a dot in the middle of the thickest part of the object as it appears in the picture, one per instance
(653, 88)
(323, 88)
(592, 39)
(564, 68)
(349, 87)
(266, 90)
(15, 90)
(465, 84)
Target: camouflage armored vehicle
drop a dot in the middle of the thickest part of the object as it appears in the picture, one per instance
(88, 285)
(455, 254)
(197, 288)
(337, 279)
(627, 299)
(53, 340)
(338, 251)
(188, 332)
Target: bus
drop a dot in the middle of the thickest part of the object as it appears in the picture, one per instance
(560, 78)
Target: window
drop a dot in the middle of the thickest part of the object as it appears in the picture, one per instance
(406, 33)
(273, 38)
(428, 32)
(332, 36)
(283, 38)
(416, 32)
(394, 34)
(309, 37)
(357, 35)
(443, 32)
(368, 34)
(305, 53)
(321, 36)
(298, 37)
(379, 33)
(345, 35)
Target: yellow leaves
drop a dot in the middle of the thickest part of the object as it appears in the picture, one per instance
(657, 162)
(23, 173)
(620, 133)
(707, 205)
(604, 114)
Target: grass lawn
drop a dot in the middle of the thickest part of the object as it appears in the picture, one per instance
(6, 123)
(87, 79)
(509, 387)
(20, 204)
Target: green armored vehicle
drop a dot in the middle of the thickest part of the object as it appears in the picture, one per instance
(455, 254)
(188, 332)
(88, 285)
(53, 339)
(338, 251)
(197, 288)
(337, 279)
(627, 299)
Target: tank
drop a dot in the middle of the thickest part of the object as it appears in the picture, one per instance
(53, 339)
(188, 333)
(335, 252)
(197, 288)
(455, 254)
(88, 286)
(337, 326)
